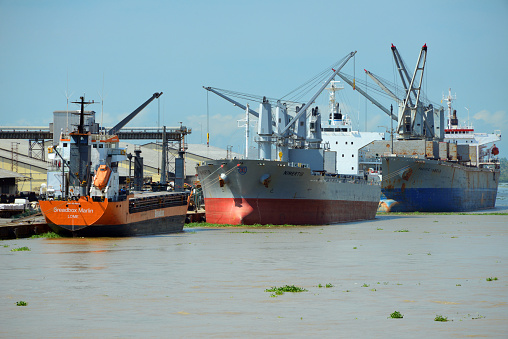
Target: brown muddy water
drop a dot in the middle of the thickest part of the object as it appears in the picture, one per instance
(211, 282)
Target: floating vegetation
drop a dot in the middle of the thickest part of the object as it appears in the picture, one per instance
(24, 248)
(458, 285)
(355, 248)
(6, 245)
(402, 230)
(365, 285)
(287, 288)
(327, 285)
(478, 316)
(491, 279)
(379, 229)
(46, 235)
(396, 315)
(373, 289)
(21, 303)
(440, 318)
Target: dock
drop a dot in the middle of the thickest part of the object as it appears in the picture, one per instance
(23, 227)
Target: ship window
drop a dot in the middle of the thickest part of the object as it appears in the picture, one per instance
(336, 142)
(64, 144)
(346, 142)
(94, 145)
(101, 146)
(352, 168)
(351, 142)
(343, 155)
(352, 155)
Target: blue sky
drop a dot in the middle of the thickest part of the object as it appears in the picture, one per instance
(136, 48)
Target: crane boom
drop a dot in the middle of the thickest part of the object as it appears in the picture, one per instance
(371, 99)
(131, 116)
(307, 105)
(234, 102)
(383, 87)
(404, 75)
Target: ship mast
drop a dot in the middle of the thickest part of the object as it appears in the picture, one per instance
(448, 100)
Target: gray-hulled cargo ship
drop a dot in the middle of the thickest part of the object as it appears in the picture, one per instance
(299, 185)
(431, 167)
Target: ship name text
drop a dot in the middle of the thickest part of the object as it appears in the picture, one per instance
(433, 170)
(71, 210)
(293, 173)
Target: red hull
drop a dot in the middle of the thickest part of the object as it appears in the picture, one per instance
(242, 211)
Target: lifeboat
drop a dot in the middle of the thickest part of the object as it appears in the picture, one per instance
(102, 177)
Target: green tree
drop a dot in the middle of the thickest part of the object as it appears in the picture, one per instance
(504, 170)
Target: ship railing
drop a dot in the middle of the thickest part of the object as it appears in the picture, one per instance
(298, 164)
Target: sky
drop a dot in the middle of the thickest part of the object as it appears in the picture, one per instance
(121, 52)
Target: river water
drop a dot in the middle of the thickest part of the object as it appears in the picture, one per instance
(211, 282)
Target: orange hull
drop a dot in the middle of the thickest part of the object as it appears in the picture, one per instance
(88, 217)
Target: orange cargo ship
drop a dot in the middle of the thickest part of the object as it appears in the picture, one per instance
(84, 196)
(139, 214)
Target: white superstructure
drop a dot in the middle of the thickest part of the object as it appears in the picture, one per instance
(338, 133)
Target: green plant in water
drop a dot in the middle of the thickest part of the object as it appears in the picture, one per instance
(440, 318)
(287, 288)
(46, 235)
(396, 315)
(402, 231)
(365, 285)
(491, 279)
(355, 248)
(329, 285)
(24, 248)
(21, 303)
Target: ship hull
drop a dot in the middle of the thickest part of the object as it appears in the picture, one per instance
(425, 185)
(137, 215)
(270, 192)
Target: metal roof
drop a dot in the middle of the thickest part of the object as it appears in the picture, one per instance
(4, 174)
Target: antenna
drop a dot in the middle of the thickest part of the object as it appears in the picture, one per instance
(102, 101)
(67, 96)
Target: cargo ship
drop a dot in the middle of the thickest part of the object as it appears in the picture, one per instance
(299, 185)
(84, 196)
(431, 166)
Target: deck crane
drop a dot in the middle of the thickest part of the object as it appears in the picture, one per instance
(411, 114)
(131, 116)
(415, 119)
(301, 111)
